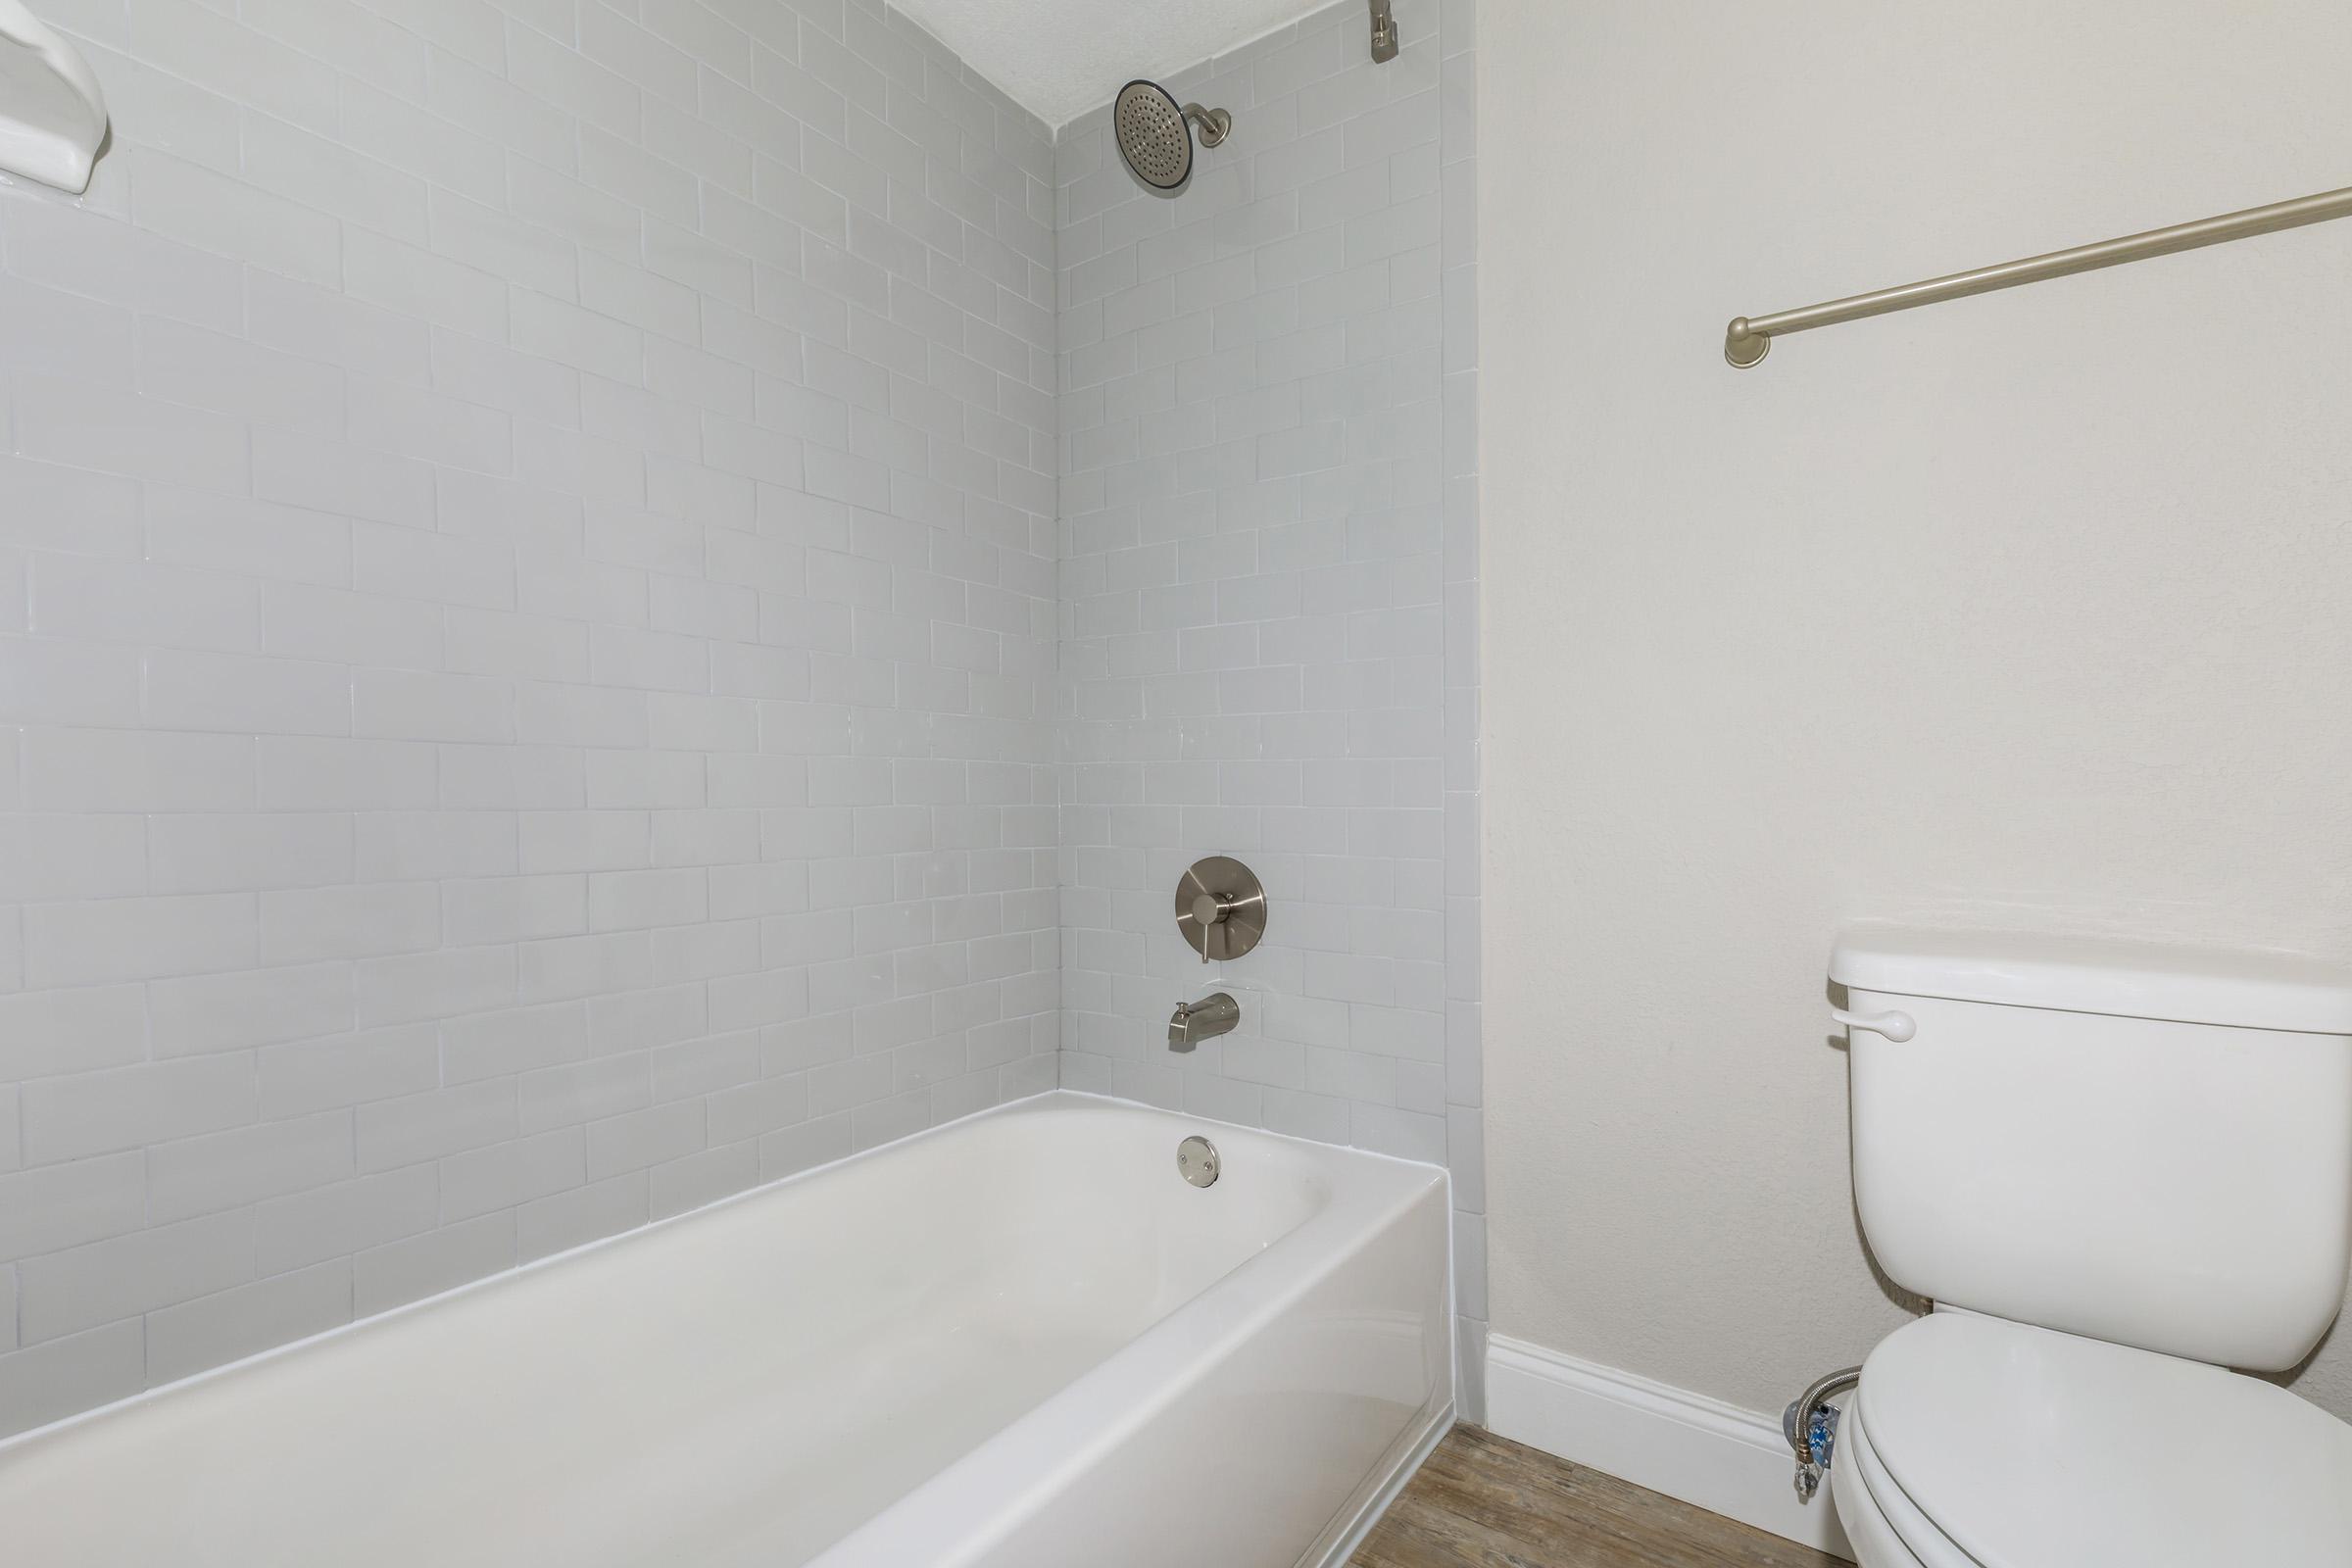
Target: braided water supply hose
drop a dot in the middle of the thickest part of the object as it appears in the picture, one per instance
(1810, 1424)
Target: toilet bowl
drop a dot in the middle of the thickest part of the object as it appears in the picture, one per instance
(2119, 1172)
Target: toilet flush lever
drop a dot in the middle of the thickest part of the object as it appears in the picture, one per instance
(1895, 1026)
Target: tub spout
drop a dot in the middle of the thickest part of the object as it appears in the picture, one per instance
(1205, 1019)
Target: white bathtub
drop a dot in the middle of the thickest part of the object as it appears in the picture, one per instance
(1019, 1340)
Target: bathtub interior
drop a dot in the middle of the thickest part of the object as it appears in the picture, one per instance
(745, 1384)
(1094, 1213)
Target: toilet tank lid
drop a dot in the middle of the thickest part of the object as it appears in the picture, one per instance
(2246, 990)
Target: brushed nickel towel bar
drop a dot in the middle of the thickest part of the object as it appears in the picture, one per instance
(1748, 339)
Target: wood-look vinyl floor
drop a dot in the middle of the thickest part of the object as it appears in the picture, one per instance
(1482, 1502)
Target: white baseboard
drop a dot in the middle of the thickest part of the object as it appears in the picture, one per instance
(1723, 1459)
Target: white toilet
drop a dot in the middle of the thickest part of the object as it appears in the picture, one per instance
(2118, 1171)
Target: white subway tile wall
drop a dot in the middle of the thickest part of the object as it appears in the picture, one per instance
(526, 647)
(1269, 569)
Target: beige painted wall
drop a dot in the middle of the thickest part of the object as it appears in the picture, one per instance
(2029, 610)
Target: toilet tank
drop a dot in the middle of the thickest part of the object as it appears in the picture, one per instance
(2150, 1145)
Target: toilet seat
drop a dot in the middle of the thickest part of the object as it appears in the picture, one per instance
(1983, 1443)
(1884, 1525)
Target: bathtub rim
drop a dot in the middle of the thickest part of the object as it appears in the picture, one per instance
(1027, 1102)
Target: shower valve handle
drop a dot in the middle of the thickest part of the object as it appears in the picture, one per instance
(1210, 909)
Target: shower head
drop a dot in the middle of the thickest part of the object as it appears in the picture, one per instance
(1153, 138)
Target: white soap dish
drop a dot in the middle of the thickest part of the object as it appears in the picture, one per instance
(52, 115)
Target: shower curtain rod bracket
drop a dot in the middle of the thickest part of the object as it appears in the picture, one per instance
(1743, 347)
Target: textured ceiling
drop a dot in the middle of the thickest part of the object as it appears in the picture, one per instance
(1061, 57)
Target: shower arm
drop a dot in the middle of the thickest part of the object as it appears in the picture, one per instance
(1215, 123)
(1748, 339)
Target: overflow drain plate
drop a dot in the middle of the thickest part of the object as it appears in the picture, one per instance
(1197, 1161)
